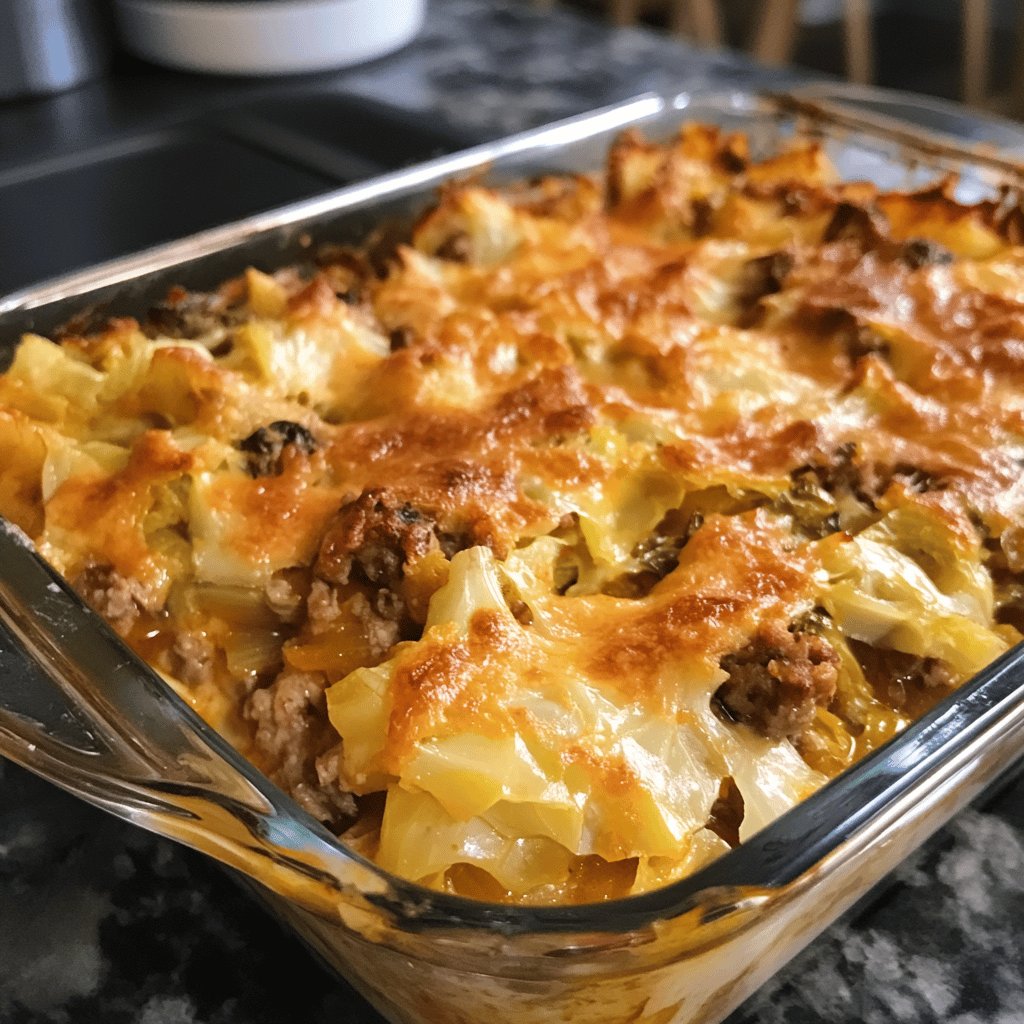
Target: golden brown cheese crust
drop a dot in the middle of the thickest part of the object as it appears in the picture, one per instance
(587, 503)
(733, 573)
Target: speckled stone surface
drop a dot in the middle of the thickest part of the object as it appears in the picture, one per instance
(102, 922)
(493, 68)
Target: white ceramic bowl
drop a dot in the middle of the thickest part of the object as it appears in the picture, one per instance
(266, 37)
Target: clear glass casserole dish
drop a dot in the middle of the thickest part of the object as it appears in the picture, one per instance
(77, 707)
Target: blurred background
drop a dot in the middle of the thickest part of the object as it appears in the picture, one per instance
(967, 50)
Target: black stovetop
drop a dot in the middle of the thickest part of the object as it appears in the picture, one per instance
(73, 199)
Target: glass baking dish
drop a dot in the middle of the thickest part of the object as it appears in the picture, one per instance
(79, 708)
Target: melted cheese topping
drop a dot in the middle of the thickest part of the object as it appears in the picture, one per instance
(520, 505)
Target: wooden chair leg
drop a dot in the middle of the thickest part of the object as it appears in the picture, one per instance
(775, 37)
(699, 19)
(624, 12)
(976, 17)
(859, 36)
(1015, 101)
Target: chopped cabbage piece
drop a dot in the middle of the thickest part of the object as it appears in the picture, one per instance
(885, 598)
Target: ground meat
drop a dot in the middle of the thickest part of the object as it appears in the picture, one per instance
(372, 538)
(660, 551)
(192, 657)
(292, 733)
(345, 257)
(920, 252)
(778, 680)
(323, 609)
(400, 338)
(760, 277)
(88, 321)
(858, 224)
(289, 714)
(658, 555)
(904, 680)
(1009, 602)
(869, 230)
(456, 248)
(117, 598)
(934, 672)
(701, 216)
(731, 159)
(838, 491)
(861, 341)
(381, 246)
(345, 269)
(322, 606)
(1011, 547)
(266, 446)
(841, 475)
(814, 512)
(380, 627)
(333, 806)
(857, 340)
(283, 596)
(330, 799)
(868, 227)
(191, 315)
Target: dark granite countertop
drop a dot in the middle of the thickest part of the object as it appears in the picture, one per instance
(102, 922)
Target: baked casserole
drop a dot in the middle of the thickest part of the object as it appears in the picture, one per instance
(554, 550)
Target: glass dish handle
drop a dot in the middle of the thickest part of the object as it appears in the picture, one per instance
(80, 709)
